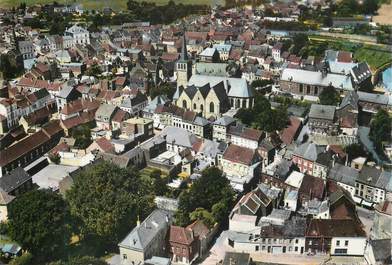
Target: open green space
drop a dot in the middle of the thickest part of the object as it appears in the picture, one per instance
(374, 56)
(97, 4)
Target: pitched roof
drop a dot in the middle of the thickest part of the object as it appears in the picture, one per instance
(141, 236)
(180, 235)
(334, 228)
(312, 186)
(288, 134)
(324, 112)
(239, 154)
(308, 151)
(22, 147)
(14, 179)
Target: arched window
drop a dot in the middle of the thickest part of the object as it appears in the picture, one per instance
(194, 106)
(184, 104)
(212, 107)
(244, 103)
(201, 107)
(237, 104)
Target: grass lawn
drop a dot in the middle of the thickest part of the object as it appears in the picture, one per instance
(374, 56)
(97, 4)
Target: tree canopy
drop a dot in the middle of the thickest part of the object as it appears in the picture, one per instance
(380, 128)
(164, 14)
(39, 221)
(329, 96)
(85, 260)
(209, 196)
(263, 117)
(82, 135)
(107, 200)
(163, 89)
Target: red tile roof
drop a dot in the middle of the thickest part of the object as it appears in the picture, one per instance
(180, 235)
(239, 154)
(287, 134)
(105, 145)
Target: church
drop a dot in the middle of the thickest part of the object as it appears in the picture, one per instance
(207, 94)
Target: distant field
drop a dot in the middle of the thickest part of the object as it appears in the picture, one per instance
(374, 56)
(97, 4)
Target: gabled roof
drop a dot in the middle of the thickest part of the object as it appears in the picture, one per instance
(141, 236)
(308, 151)
(312, 186)
(351, 99)
(239, 154)
(181, 235)
(14, 179)
(334, 228)
(325, 112)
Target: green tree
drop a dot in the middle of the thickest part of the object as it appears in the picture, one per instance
(299, 41)
(261, 83)
(245, 116)
(329, 96)
(39, 221)
(202, 215)
(160, 187)
(82, 135)
(211, 188)
(94, 70)
(380, 129)
(85, 260)
(354, 151)
(25, 259)
(163, 89)
(107, 200)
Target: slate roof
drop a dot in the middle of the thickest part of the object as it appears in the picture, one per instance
(141, 236)
(361, 72)
(317, 78)
(224, 121)
(373, 98)
(235, 87)
(14, 179)
(343, 174)
(294, 227)
(369, 175)
(324, 112)
(308, 151)
(350, 99)
(381, 250)
(179, 136)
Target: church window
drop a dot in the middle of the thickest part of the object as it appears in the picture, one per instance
(244, 103)
(184, 104)
(201, 107)
(212, 107)
(194, 106)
